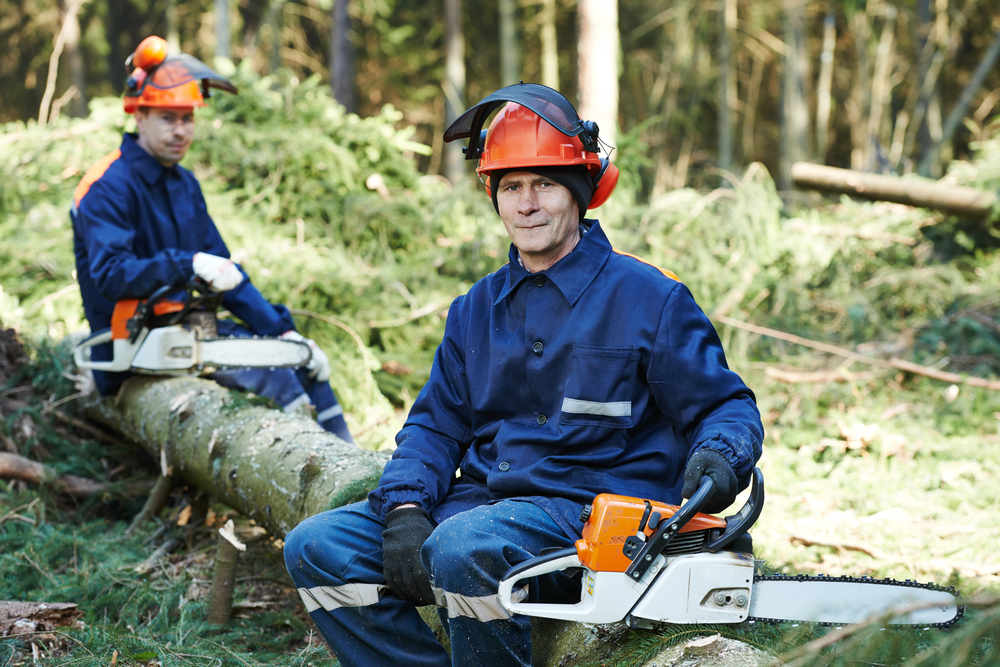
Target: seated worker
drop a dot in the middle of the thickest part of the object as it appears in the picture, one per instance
(573, 370)
(140, 223)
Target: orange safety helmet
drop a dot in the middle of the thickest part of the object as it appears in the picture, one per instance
(156, 79)
(537, 127)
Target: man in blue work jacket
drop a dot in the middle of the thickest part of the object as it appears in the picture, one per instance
(574, 370)
(140, 223)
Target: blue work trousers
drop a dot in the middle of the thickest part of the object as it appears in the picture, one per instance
(335, 560)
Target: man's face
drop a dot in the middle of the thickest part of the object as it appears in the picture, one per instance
(541, 218)
(166, 133)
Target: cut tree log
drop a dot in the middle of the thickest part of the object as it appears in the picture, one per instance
(275, 468)
(15, 466)
(922, 192)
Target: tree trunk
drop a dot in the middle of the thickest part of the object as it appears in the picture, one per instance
(342, 56)
(727, 84)
(597, 51)
(550, 48)
(222, 29)
(824, 99)
(454, 86)
(78, 104)
(795, 116)
(272, 467)
(509, 68)
(173, 29)
(958, 111)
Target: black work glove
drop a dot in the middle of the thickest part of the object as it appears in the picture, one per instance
(709, 462)
(406, 530)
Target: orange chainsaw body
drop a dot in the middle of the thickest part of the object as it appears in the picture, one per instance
(614, 518)
(125, 310)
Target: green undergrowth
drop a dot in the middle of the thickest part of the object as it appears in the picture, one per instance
(868, 470)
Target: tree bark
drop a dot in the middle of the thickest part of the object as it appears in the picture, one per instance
(795, 115)
(727, 84)
(272, 467)
(955, 199)
(454, 87)
(28, 617)
(509, 68)
(550, 48)
(824, 99)
(222, 29)
(597, 50)
(342, 56)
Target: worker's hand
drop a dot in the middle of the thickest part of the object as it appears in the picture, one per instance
(710, 462)
(220, 273)
(319, 364)
(407, 528)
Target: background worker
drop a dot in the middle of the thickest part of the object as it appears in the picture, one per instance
(573, 370)
(140, 222)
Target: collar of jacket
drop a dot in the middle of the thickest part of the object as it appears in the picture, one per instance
(140, 161)
(572, 274)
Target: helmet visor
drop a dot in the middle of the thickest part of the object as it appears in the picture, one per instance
(178, 69)
(544, 101)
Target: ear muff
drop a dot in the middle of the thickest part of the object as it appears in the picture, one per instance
(604, 183)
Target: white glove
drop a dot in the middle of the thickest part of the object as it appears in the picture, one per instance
(319, 363)
(220, 273)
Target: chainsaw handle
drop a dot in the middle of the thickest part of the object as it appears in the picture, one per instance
(667, 530)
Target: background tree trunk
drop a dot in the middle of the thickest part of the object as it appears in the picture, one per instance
(550, 48)
(78, 104)
(173, 27)
(222, 29)
(727, 84)
(509, 67)
(342, 56)
(597, 51)
(454, 87)
(795, 115)
(824, 100)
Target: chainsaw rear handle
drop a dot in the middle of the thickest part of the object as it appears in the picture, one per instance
(668, 529)
(586, 610)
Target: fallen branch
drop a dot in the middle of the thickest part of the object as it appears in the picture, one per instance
(814, 377)
(894, 363)
(15, 466)
(806, 542)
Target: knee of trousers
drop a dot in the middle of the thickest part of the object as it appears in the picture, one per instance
(312, 552)
(462, 558)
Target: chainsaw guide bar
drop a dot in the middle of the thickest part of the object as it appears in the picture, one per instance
(928, 609)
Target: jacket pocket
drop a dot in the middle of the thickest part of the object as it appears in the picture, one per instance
(599, 387)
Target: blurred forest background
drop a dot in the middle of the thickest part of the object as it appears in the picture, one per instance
(870, 332)
(872, 85)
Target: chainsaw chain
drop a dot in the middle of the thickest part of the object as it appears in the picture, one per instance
(858, 580)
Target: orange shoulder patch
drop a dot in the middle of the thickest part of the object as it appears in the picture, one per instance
(93, 175)
(668, 274)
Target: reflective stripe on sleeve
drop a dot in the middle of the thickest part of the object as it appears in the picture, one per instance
(330, 413)
(335, 597)
(484, 609)
(614, 409)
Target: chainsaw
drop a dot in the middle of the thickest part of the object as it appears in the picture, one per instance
(163, 336)
(648, 563)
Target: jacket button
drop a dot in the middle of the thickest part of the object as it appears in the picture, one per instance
(504, 466)
(538, 347)
(542, 419)
(539, 281)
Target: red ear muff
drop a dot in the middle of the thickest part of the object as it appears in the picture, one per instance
(604, 183)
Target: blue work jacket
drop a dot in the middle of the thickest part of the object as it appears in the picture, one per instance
(136, 227)
(598, 375)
